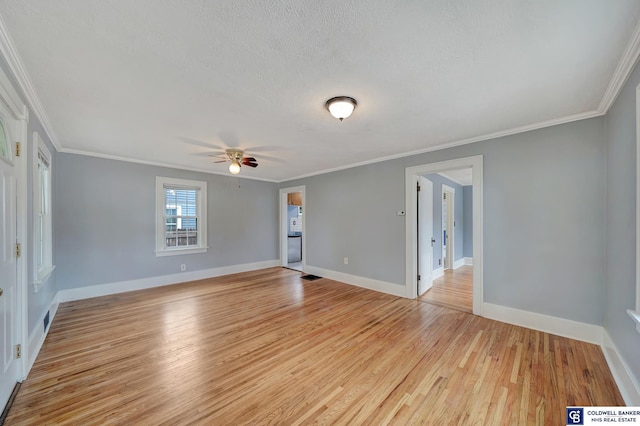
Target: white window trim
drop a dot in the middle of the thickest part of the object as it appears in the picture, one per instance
(201, 202)
(41, 274)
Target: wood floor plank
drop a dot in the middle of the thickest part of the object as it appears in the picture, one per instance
(452, 290)
(267, 347)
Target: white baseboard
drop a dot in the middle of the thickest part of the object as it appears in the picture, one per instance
(437, 273)
(144, 283)
(562, 327)
(468, 261)
(368, 283)
(458, 263)
(39, 334)
(627, 384)
(625, 380)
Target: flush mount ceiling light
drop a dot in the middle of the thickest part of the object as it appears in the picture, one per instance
(341, 107)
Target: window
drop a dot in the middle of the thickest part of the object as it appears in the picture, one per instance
(181, 212)
(42, 238)
(5, 148)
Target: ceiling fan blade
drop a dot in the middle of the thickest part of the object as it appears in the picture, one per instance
(253, 160)
(250, 164)
(220, 161)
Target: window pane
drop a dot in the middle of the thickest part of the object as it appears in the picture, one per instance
(180, 217)
(5, 148)
(40, 240)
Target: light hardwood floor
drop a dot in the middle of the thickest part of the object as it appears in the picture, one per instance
(267, 347)
(452, 290)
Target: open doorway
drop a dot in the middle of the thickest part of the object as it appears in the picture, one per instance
(448, 222)
(455, 243)
(450, 219)
(292, 235)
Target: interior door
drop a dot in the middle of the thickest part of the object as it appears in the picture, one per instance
(8, 264)
(425, 235)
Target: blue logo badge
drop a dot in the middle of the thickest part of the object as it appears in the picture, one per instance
(575, 416)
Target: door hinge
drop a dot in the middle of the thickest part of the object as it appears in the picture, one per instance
(418, 277)
(18, 250)
(444, 196)
(418, 187)
(18, 351)
(18, 149)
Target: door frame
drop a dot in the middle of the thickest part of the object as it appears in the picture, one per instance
(449, 256)
(284, 256)
(411, 178)
(10, 98)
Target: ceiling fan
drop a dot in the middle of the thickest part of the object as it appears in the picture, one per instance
(237, 158)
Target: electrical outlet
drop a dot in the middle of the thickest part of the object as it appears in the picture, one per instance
(346, 260)
(183, 267)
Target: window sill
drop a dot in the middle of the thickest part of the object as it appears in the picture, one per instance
(636, 317)
(43, 277)
(177, 252)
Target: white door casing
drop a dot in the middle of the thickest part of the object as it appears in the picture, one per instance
(411, 178)
(425, 230)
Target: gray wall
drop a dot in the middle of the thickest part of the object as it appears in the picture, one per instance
(37, 302)
(543, 219)
(620, 278)
(458, 216)
(104, 218)
(467, 196)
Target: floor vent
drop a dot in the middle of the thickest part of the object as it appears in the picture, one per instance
(46, 321)
(310, 277)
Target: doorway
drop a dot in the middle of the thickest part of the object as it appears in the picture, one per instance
(425, 234)
(448, 226)
(292, 228)
(451, 277)
(467, 268)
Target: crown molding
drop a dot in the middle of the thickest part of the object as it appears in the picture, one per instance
(18, 70)
(495, 135)
(623, 71)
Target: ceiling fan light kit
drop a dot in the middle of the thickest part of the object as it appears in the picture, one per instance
(341, 107)
(237, 159)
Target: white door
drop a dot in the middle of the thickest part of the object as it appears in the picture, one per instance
(425, 235)
(8, 266)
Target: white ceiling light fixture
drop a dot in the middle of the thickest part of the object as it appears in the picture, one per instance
(341, 107)
(234, 167)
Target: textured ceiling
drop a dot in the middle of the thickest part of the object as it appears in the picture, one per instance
(171, 82)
